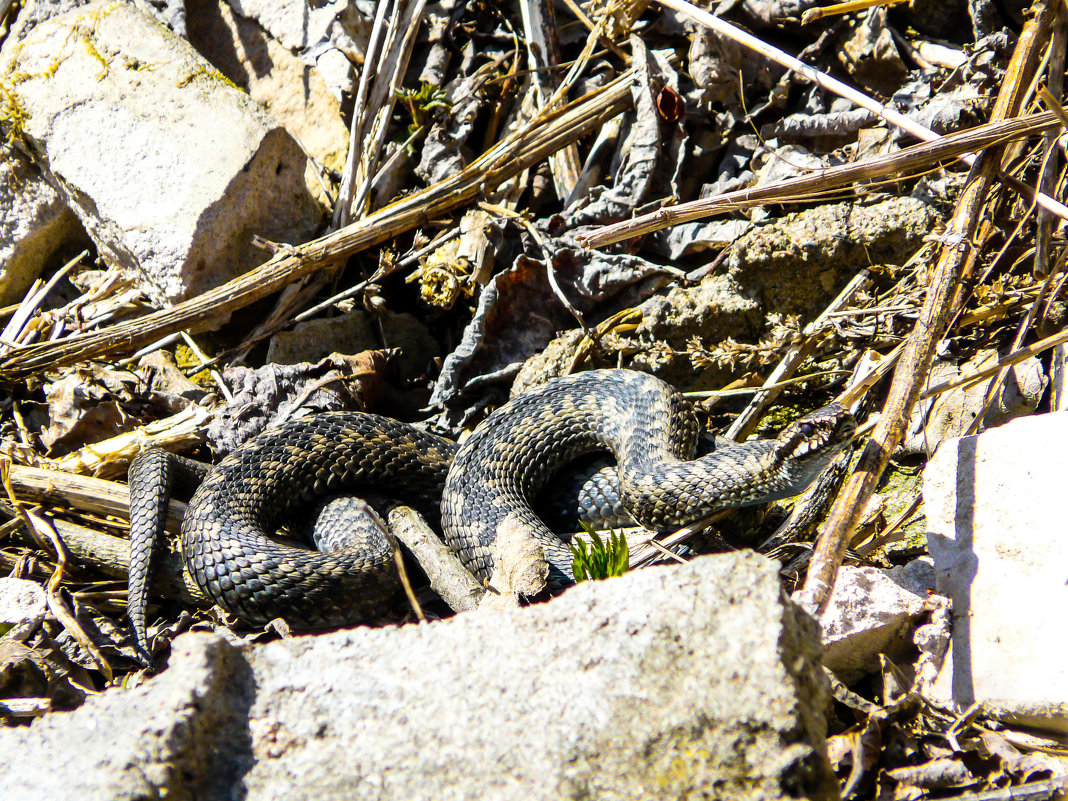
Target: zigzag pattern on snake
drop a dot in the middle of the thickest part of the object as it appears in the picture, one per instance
(486, 483)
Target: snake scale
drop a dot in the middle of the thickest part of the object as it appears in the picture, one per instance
(483, 485)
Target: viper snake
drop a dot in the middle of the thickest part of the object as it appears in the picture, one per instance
(474, 490)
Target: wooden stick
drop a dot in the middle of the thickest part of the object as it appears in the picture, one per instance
(522, 149)
(904, 162)
(915, 363)
(55, 488)
(453, 583)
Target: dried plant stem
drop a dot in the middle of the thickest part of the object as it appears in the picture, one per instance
(904, 162)
(55, 489)
(110, 457)
(1042, 227)
(914, 365)
(400, 41)
(47, 538)
(543, 53)
(744, 423)
(522, 149)
(343, 207)
(813, 14)
(862, 100)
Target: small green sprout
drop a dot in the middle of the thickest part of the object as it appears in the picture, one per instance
(421, 103)
(603, 559)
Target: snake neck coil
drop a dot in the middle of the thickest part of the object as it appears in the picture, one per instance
(650, 430)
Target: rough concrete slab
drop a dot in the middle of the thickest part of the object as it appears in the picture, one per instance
(170, 168)
(181, 732)
(697, 681)
(997, 537)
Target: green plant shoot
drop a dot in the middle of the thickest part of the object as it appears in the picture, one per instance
(603, 559)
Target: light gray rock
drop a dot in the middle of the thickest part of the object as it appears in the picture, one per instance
(274, 77)
(320, 33)
(870, 613)
(23, 606)
(34, 223)
(183, 732)
(996, 534)
(697, 681)
(170, 168)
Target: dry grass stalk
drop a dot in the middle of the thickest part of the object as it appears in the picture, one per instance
(908, 161)
(110, 457)
(522, 149)
(46, 537)
(407, 18)
(895, 118)
(543, 54)
(1043, 229)
(1015, 357)
(346, 192)
(915, 363)
(813, 14)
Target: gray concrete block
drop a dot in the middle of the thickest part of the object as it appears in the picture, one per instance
(1001, 555)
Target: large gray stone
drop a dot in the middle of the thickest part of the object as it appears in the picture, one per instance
(170, 168)
(23, 605)
(182, 734)
(34, 223)
(699, 681)
(997, 538)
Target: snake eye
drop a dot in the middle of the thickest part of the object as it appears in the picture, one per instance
(807, 429)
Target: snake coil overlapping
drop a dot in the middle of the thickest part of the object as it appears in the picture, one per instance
(486, 483)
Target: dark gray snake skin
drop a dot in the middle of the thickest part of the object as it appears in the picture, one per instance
(649, 428)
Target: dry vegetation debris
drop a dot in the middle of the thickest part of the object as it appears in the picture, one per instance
(530, 192)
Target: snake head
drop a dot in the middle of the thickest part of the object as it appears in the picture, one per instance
(814, 439)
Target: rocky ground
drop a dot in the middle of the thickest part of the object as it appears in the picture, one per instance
(216, 215)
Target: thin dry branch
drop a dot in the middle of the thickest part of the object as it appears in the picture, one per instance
(453, 583)
(915, 363)
(522, 149)
(893, 117)
(908, 161)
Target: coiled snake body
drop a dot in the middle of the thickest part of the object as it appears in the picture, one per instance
(648, 427)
